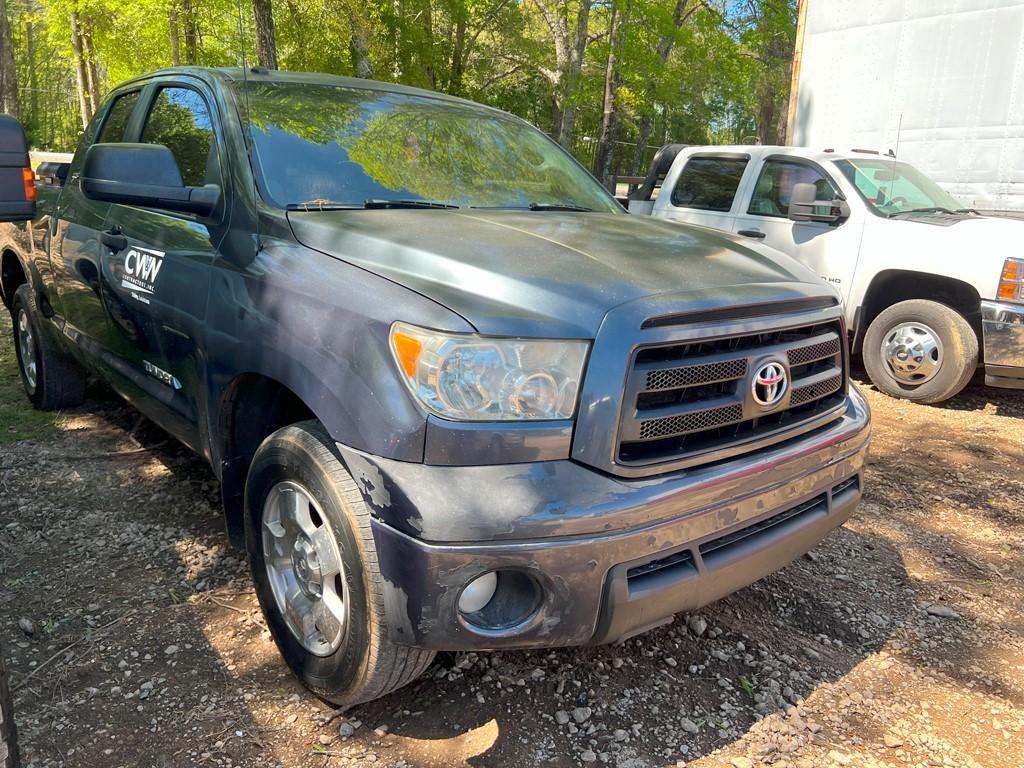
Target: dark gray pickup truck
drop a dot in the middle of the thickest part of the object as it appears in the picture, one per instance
(456, 397)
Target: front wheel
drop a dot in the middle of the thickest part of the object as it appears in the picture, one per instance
(920, 350)
(315, 567)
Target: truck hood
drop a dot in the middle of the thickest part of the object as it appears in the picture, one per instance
(543, 273)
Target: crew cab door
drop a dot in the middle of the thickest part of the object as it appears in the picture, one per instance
(829, 249)
(158, 264)
(75, 242)
(703, 190)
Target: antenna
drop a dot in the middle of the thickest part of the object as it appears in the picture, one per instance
(899, 129)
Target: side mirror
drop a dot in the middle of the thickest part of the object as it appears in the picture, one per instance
(146, 175)
(804, 207)
(17, 182)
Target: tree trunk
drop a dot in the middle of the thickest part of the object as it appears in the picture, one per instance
(91, 75)
(175, 35)
(191, 33)
(81, 83)
(572, 75)
(9, 102)
(31, 120)
(359, 42)
(266, 44)
(764, 121)
(605, 153)
(458, 49)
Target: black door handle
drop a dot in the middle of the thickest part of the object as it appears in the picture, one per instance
(113, 239)
(754, 233)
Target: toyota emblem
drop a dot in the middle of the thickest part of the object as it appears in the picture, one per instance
(769, 384)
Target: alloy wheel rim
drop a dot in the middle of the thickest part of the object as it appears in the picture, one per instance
(304, 568)
(27, 351)
(912, 352)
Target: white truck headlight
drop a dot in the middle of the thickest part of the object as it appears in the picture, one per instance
(465, 377)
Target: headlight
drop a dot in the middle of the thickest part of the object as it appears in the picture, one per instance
(475, 378)
(1011, 281)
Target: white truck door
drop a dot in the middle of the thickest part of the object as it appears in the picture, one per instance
(703, 190)
(830, 250)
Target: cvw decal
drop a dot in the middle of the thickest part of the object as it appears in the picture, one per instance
(141, 267)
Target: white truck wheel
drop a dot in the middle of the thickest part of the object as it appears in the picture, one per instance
(920, 350)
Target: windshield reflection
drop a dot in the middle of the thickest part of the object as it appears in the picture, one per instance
(326, 144)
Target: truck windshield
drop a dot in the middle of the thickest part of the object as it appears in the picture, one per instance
(334, 146)
(893, 188)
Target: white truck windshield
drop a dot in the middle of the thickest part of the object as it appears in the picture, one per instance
(893, 188)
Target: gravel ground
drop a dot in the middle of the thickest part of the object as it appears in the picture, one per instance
(134, 638)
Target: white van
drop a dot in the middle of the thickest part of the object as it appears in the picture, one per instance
(931, 289)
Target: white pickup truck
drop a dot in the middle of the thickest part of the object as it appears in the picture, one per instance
(931, 289)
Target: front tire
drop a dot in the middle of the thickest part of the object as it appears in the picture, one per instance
(315, 567)
(920, 350)
(52, 380)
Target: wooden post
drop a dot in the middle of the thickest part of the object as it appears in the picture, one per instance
(794, 75)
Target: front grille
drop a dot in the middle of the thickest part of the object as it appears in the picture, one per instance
(687, 399)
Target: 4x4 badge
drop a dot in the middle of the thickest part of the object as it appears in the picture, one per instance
(769, 384)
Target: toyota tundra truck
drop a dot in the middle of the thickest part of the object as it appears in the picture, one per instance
(455, 396)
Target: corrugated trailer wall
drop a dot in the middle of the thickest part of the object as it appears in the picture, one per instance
(942, 78)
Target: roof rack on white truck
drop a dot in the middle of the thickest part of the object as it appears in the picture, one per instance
(931, 289)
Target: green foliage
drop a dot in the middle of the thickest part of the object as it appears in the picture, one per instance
(690, 71)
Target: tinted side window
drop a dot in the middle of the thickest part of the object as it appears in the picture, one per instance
(180, 120)
(117, 118)
(774, 187)
(709, 183)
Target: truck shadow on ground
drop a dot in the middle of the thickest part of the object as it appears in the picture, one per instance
(144, 547)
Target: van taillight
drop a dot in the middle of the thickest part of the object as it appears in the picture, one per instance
(29, 177)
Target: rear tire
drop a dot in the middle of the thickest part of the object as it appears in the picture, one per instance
(8, 734)
(302, 512)
(920, 350)
(52, 379)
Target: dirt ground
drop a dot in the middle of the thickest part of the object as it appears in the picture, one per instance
(134, 638)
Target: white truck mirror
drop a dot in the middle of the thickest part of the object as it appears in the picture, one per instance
(804, 207)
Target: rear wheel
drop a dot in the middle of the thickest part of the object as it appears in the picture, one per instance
(314, 563)
(8, 736)
(920, 350)
(52, 380)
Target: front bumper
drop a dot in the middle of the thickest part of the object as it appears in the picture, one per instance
(615, 556)
(1002, 326)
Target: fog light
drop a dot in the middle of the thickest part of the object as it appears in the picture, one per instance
(478, 593)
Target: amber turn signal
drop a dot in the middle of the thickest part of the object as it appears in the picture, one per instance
(28, 176)
(1011, 283)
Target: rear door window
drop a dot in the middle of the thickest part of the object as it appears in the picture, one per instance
(709, 183)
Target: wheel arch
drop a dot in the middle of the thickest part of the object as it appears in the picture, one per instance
(891, 286)
(251, 407)
(12, 275)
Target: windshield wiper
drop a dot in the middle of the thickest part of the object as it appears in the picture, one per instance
(558, 207)
(933, 209)
(321, 205)
(407, 204)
